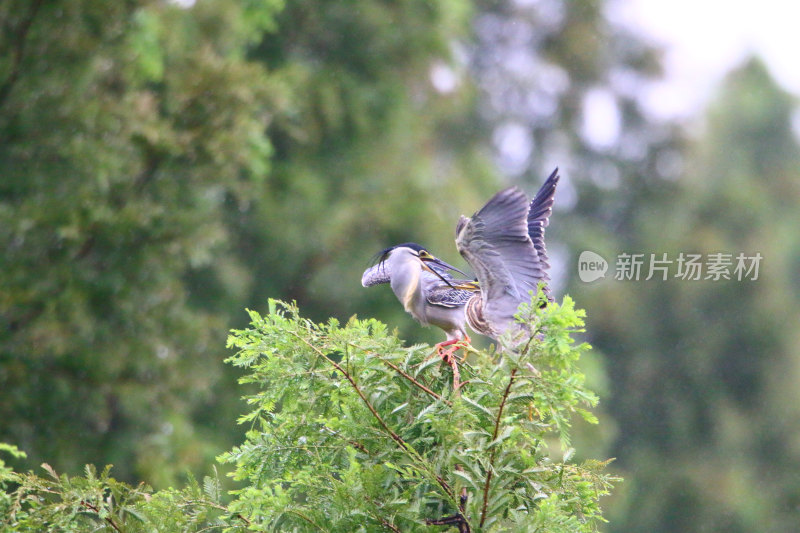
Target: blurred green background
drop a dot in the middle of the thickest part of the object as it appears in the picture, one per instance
(165, 165)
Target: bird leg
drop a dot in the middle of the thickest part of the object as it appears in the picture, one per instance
(446, 355)
(449, 357)
(455, 345)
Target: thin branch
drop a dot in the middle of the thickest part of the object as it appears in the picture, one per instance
(307, 519)
(454, 520)
(358, 390)
(215, 505)
(354, 444)
(446, 521)
(391, 526)
(409, 377)
(399, 440)
(490, 469)
(96, 510)
(533, 335)
(19, 50)
(415, 382)
(456, 376)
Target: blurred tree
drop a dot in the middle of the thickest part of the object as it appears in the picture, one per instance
(164, 167)
(561, 85)
(705, 372)
(122, 127)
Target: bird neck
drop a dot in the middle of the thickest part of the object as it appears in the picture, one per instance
(406, 286)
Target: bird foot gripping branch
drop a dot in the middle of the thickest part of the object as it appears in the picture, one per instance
(454, 345)
(449, 356)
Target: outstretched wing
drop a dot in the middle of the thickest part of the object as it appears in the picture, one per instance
(539, 218)
(495, 242)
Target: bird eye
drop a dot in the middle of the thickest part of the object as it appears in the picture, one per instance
(424, 255)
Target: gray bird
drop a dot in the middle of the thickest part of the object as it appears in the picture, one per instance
(504, 244)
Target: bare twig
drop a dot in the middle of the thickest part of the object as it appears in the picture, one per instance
(490, 469)
(456, 377)
(457, 520)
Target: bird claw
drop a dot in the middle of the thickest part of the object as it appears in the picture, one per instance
(449, 356)
(446, 355)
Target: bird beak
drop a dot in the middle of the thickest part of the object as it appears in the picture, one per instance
(437, 261)
(432, 271)
(471, 286)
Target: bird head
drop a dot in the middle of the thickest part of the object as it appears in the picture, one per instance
(404, 255)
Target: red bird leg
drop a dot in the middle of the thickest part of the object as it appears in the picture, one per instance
(449, 357)
(446, 354)
(455, 345)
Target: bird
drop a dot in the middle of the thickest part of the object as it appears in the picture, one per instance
(504, 244)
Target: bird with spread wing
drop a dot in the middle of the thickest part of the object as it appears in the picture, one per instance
(503, 242)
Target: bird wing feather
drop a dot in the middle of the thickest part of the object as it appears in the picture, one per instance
(440, 293)
(495, 242)
(448, 296)
(539, 218)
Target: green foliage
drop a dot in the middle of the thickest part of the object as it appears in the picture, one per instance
(98, 502)
(7, 476)
(352, 431)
